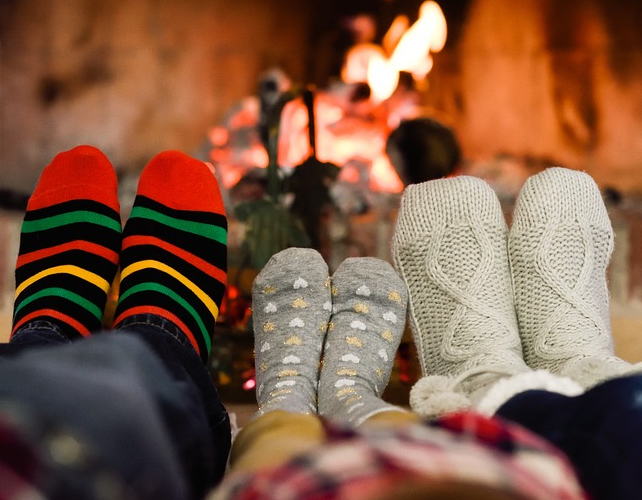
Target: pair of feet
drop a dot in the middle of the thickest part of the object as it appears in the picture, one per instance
(172, 252)
(326, 344)
(489, 305)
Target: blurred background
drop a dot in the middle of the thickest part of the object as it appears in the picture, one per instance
(398, 91)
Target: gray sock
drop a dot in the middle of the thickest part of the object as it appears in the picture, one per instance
(560, 244)
(291, 309)
(369, 314)
(450, 248)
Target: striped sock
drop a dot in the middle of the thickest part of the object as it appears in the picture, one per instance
(174, 256)
(69, 244)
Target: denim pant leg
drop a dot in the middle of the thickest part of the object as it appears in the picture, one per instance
(186, 368)
(34, 333)
(600, 432)
(195, 420)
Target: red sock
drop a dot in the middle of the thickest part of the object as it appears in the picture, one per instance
(174, 257)
(69, 244)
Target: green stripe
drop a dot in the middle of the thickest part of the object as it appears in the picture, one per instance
(32, 226)
(155, 287)
(210, 231)
(65, 294)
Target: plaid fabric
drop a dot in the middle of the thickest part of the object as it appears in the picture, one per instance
(463, 447)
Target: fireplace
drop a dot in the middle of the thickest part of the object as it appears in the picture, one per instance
(520, 87)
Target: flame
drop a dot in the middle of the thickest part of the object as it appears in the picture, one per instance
(409, 49)
(349, 133)
(382, 78)
(358, 58)
(394, 33)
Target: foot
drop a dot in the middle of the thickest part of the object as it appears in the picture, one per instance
(560, 244)
(449, 247)
(69, 245)
(369, 315)
(291, 310)
(174, 256)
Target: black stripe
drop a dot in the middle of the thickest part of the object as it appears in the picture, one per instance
(212, 218)
(90, 261)
(205, 248)
(72, 206)
(86, 231)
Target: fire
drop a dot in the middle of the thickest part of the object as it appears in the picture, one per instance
(409, 50)
(349, 130)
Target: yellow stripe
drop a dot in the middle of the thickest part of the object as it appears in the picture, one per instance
(92, 278)
(154, 264)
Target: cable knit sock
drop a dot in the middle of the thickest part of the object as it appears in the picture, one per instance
(174, 257)
(560, 244)
(69, 244)
(369, 314)
(449, 246)
(291, 306)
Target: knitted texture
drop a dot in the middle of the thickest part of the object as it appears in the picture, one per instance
(449, 247)
(560, 244)
(369, 303)
(69, 244)
(291, 310)
(174, 255)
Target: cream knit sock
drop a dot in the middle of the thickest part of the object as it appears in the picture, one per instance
(291, 306)
(560, 244)
(369, 315)
(449, 247)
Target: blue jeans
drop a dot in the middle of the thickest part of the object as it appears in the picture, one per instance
(600, 431)
(135, 410)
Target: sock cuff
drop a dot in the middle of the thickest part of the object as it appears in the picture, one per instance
(561, 194)
(504, 389)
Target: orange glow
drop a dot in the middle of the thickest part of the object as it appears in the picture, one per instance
(219, 136)
(355, 69)
(384, 178)
(394, 33)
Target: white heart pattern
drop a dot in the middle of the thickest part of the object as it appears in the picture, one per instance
(270, 308)
(266, 347)
(344, 382)
(350, 358)
(297, 323)
(359, 325)
(390, 316)
(364, 291)
(300, 283)
(383, 354)
(327, 306)
(285, 383)
(291, 360)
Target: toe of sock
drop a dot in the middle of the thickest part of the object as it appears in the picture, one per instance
(83, 172)
(181, 182)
